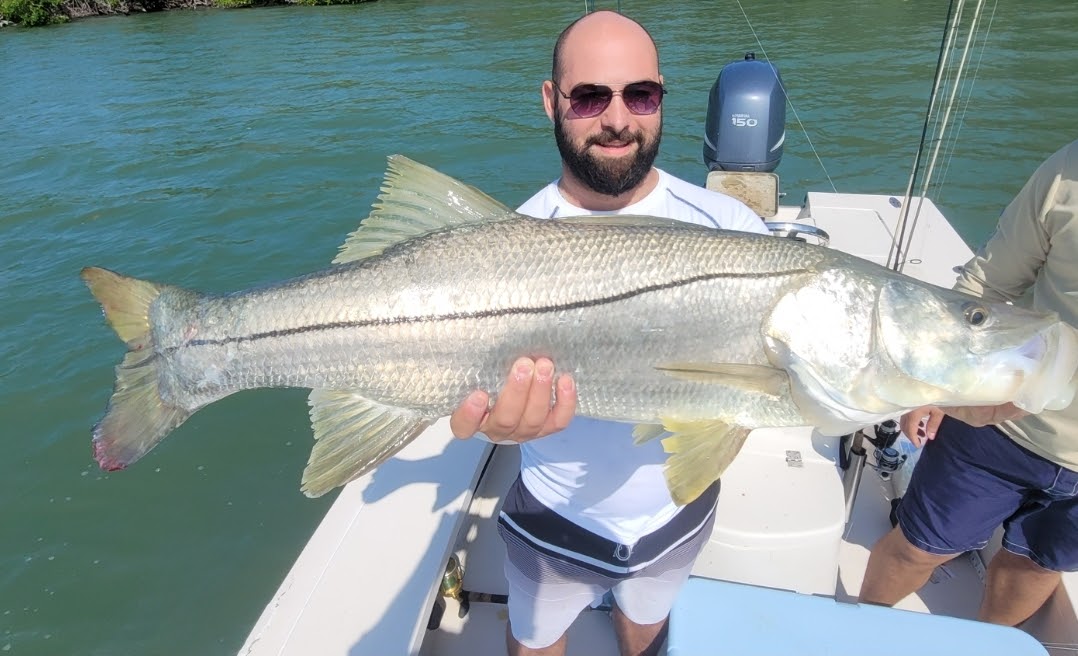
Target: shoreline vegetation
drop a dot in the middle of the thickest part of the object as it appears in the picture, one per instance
(31, 13)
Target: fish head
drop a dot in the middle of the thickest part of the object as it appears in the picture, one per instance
(860, 346)
(943, 347)
(821, 331)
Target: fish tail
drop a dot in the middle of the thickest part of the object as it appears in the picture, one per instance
(137, 417)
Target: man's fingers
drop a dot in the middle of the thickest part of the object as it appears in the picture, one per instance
(564, 406)
(920, 424)
(523, 409)
(503, 418)
(932, 425)
(910, 423)
(537, 405)
(465, 421)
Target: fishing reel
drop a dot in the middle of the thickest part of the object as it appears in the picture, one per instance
(888, 459)
(452, 587)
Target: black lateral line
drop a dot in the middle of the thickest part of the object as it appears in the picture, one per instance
(485, 314)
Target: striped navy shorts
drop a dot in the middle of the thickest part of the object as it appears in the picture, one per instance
(546, 547)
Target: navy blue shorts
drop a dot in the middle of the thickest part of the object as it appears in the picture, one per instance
(970, 480)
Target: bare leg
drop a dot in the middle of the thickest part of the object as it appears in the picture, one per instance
(638, 639)
(514, 648)
(896, 569)
(1016, 588)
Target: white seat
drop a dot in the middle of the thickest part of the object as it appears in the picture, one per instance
(716, 618)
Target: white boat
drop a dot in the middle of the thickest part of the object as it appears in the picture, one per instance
(780, 574)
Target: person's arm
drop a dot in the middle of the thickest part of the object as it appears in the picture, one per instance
(1005, 267)
(921, 424)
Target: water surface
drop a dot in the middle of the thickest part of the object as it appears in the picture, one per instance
(221, 149)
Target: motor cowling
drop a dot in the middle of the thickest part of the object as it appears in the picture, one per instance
(746, 117)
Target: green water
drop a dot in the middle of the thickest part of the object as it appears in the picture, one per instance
(220, 149)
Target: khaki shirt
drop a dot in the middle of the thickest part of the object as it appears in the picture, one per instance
(1032, 260)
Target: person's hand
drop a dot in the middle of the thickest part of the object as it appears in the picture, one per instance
(523, 410)
(921, 424)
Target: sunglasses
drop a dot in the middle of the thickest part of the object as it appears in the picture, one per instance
(588, 100)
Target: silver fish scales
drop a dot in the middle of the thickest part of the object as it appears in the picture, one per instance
(693, 332)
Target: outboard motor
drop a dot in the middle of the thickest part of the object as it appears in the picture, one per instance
(746, 118)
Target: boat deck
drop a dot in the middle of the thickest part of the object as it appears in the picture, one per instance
(368, 579)
(954, 591)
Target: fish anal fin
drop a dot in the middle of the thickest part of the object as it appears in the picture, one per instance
(417, 200)
(353, 435)
(700, 451)
(646, 432)
(749, 377)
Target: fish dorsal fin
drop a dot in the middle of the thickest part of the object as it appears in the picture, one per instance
(417, 200)
(353, 435)
(749, 377)
(628, 220)
(700, 451)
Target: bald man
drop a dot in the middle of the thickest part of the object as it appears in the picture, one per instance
(590, 513)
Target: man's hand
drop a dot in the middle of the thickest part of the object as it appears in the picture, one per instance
(523, 410)
(922, 423)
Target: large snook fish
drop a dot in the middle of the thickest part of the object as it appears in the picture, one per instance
(695, 333)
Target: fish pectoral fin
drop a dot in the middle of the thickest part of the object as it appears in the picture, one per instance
(750, 377)
(700, 451)
(353, 435)
(646, 432)
(417, 200)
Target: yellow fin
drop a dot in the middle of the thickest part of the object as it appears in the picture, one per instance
(749, 377)
(125, 301)
(606, 220)
(354, 435)
(700, 451)
(645, 432)
(137, 418)
(417, 200)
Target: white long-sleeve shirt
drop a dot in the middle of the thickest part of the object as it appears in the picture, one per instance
(591, 473)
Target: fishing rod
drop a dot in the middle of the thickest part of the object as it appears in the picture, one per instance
(937, 120)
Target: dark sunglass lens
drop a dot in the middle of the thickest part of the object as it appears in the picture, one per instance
(643, 97)
(590, 100)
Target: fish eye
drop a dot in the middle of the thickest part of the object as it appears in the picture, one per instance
(976, 315)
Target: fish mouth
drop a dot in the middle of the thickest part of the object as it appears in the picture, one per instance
(1035, 349)
(1049, 367)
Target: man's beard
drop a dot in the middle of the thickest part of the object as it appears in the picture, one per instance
(609, 177)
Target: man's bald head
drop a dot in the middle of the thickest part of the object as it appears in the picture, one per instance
(597, 28)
